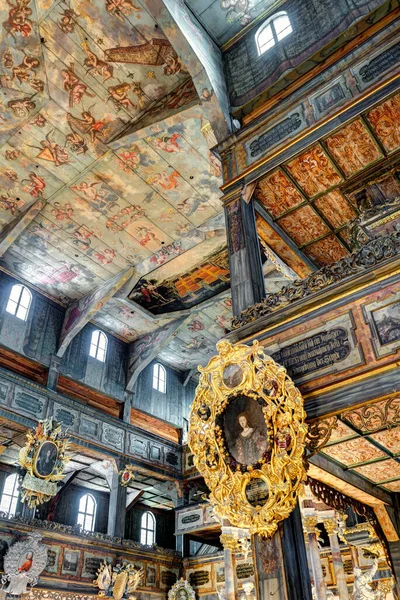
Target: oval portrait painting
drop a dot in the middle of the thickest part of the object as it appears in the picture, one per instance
(45, 460)
(245, 430)
(25, 561)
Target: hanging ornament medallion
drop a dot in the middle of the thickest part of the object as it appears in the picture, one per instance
(247, 434)
(126, 475)
(43, 458)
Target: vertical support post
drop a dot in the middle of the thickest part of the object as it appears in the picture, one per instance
(331, 527)
(297, 575)
(117, 508)
(54, 371)
(128, 402)
(247, 278)
(28, 513)
(310, 526)
(229, 543)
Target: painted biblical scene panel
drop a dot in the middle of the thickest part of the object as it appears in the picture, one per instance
(387, 323)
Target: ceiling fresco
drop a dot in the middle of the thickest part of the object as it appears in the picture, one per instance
(316, 196)
(367, 440)
(223, 19)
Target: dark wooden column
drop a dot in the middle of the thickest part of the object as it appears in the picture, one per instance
(297, 575)
(117, 507)
(247, 279)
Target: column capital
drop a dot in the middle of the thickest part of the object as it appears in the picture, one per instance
(331, 526)
(229, 542)
(310, 524)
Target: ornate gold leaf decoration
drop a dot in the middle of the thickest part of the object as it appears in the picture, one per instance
(44, 458)
(254, 496)
(126, 475)
(319, 433)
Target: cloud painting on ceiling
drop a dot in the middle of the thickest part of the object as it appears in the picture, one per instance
(223, 19)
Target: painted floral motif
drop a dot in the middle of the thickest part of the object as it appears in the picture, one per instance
(277, 193)
(353, 148)
(326, 251)
(275, 242)
(385, 121)
(303, 225)
(313, 171)
(390, 439)
(335, 208)
(353, 451)
(380, 471)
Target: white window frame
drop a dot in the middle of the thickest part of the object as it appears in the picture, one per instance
(98, 345)
(159, 378)
(85, 517)
(19, 301)
(275, 35)
(10, 495)
(148, 529)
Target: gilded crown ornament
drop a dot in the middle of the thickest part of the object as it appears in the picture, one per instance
(247, 434)
(43, 458)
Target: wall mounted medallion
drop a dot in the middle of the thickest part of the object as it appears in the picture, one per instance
(181, 590)
(247, 434)
(23, 563)
(43, 457)
(126, 475)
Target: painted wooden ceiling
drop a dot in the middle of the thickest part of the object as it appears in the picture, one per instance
(367, 441)
(316, 196)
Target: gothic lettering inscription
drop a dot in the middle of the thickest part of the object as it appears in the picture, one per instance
(274, 135)
(244, 570)
(199, 578)
(316, 352)
(380, 64)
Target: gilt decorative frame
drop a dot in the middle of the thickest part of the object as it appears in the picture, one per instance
(254, 478)
(42, 474)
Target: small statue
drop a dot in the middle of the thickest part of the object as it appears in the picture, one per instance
(362, 589)
(118, 583)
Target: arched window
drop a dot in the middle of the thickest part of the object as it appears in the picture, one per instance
(10, 495)
(159, 378)
(87, 512)
(148, 529)
(272, 31)
(19, 301)
(98, 345)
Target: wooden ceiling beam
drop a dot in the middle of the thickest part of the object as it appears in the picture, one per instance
(82, 311)
(143, 351)
(13, 230)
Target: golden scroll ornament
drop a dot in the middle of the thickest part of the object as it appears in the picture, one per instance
(44, 458)
(247, 434)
